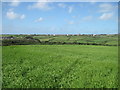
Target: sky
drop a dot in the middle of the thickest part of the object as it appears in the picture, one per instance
(59, 17)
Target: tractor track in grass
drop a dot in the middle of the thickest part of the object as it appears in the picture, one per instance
(57, 79)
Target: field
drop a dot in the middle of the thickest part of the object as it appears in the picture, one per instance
(104, 40)
(60, 66)
(98, 39)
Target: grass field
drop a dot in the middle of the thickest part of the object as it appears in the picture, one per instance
(60, 66)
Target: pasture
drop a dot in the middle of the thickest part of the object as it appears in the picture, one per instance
(60, 66)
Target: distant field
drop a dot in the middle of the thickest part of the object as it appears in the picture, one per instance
(100, 39)
(109, 40)
(60, 66)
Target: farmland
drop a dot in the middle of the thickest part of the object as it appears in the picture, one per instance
(104, 40)
(60, 66)
(98, 39)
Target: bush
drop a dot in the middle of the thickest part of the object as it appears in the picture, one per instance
(7, 42)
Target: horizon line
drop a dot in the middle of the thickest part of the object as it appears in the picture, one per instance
(63, 34)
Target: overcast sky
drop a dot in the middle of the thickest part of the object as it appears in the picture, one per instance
(60, 17)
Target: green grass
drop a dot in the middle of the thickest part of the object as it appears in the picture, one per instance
(60, 66)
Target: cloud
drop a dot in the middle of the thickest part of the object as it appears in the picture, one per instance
(93, 2)
(15, 3)
(22, 16)
(70, 9)
(87, 18)
(39, 19)
(71, 22)
(12, 15)
(106, 8)
(106, 16)
(41, 5)
(62, 5)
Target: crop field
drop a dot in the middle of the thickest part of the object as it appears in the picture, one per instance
(60, 66)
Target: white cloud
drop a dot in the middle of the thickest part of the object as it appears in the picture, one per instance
(41, 5)
(62, 5)
(39, 19)
(106, 16)
(70, 9)
(106, 8)
(15, 3)
(71, 22)
(12, 15)
(22, 16)
(87, 18)
(93, 2)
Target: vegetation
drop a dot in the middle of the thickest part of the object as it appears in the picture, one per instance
(106, 40)
(60, 61)
(7, 42)
(60, 66)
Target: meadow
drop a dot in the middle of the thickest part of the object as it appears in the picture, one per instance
(60, 66)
